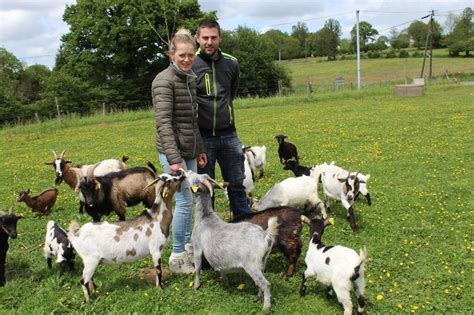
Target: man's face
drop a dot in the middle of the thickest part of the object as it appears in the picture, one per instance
(209, 40)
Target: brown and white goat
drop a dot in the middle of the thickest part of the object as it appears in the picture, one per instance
(72, 174)
(41, 203)
(114, 192)
(127, 241)
(7, 229)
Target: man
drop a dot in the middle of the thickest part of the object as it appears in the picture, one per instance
(217, 82)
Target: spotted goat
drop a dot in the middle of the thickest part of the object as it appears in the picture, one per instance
(336, 266)
(56, 243)
(127, 241)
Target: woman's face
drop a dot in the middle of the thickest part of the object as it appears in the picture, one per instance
(184, 56)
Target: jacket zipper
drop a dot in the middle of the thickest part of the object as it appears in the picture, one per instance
(192, 113)
(214, 122)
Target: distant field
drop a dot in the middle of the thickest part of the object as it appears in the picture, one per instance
(320, 71)
(418, 231)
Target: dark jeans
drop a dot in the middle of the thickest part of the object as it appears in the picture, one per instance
(227, 151)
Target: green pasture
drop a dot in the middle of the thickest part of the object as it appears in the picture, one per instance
(418, 231)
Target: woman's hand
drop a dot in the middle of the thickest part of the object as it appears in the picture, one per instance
(202, 160)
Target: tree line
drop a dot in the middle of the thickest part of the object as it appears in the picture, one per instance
(114, 49)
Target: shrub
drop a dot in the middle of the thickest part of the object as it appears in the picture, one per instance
(403, 54)
(373, 54)
(417, 54)
(390, 54)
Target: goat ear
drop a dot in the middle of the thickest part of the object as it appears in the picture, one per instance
(28, 191)
(342, 179)
(68, 161)
(97, 185)
(48, 163)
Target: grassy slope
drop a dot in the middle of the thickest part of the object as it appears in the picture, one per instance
(419, 152)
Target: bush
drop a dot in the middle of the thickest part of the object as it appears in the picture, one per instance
(390, 54)
(417, 54)
(403, 54)
(373, 54)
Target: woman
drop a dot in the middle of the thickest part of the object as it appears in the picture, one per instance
(178, 139)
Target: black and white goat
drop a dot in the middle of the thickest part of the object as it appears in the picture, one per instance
(116, 191)
(341, 185)
(57, 244)
(230, 247)
(257, 157)
(73, 174)
(127, 241)
(286, 150)
(7, 229)
(41, 203)
(336, 266)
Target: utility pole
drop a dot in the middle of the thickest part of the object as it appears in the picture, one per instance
(358, 51)
(429, 40)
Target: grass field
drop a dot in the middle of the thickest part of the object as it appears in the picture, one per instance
(418, 231)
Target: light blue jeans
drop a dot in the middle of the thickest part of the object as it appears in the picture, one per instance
(182, 224)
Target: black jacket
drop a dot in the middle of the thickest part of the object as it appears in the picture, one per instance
(217, 83)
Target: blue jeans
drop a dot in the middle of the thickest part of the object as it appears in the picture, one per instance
(182, 224)
(227, 151)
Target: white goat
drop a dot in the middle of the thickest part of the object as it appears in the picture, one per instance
(230, 247)
(127, 241)
(57, 244)
(335, 266)
(257, 157)
(294, 192)
(249, 179)
(342, 185)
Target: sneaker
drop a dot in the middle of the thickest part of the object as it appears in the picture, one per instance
(179, 263)
(189, 252)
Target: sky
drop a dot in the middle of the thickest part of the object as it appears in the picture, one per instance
(32, 29)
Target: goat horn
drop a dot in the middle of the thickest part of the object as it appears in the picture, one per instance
(151, 184)
(158, 188)
(208, 185)
(62, 154)
(54, 154)
(90, 171)
(10, 211)
(305, 219)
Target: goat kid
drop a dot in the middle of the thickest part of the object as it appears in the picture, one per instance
(41, 203)
(257, 157)
(297, 169)
(336, 266)
(286, 150)
(72, 175)
(56, 243)
(7, 229)
(230, 247)
(116, 191)
(127, 241)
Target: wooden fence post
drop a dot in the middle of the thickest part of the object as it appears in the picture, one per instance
(57, 109)
(280, 87)
(310, 89)
(37, 118)
(103, 109)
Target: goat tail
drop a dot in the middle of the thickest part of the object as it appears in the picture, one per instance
(272, 230)
(74, 228)
(363, 254)
(124, 158)
(151, 166)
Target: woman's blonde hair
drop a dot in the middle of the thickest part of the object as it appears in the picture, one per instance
(184, 36)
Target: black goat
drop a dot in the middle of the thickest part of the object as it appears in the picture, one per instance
(7, 229)
(297, 169)
(118, 190)
(286, 150)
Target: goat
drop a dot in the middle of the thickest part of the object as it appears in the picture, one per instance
(231, 247)
(127, 241)
(115, 191)
(337, 266)
(297, 169)
(41, 203)
(288, 240)
(363, 187)
(249, 178)
(72, 175)
(293, 192)
(340, 185)
(7, 229)
(57, 244)
(286, 150)
(257, 157)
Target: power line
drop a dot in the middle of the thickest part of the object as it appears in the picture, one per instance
(316, 18)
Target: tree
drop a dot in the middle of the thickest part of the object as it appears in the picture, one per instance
(417, 32)
(301, 33)
(120, 45)
(366, 35)
(259, 74)
(10, 70)
(461, 39)
(31, 83)
(282, 44)
(379, 44)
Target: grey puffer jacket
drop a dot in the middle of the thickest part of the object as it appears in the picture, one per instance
(174, 100)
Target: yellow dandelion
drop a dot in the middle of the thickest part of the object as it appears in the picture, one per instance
(380, 297)
(241, 286)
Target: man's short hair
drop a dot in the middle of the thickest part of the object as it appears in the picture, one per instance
(208, 23)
